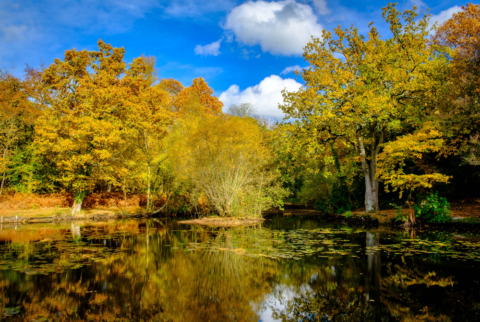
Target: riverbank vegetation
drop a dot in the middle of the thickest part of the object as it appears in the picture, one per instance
(380, 122)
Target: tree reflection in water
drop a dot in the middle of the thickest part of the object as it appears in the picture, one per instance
(149, 274)
(338, 294)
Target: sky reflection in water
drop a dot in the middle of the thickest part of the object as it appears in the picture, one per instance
(287, 269)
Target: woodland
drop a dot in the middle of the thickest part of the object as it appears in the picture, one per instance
(380, 123)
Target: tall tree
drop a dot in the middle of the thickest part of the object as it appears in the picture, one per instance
(203, 92)
(365, 91)
(460, 112)
(17, 115)
(80, 128)
(148, 119)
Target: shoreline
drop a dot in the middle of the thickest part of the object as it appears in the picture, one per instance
(367, 220)
(223, 222)
(358, 219)
(64, 218)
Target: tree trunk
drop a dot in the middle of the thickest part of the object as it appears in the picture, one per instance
(124, 198)
(374, 150)
(369, 191)
(369, 168)
(77, 207)
(148, 190)
(3, 181)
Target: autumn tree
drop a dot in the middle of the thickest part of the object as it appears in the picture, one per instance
(199, 89)
(460, 110)
(228, 160)
(17, 115)
(392, 161)
(81, 127)
(366, 91)
(148, 118)
(242, 110)
(172, 86)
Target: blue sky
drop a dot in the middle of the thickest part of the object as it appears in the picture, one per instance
(245, 50)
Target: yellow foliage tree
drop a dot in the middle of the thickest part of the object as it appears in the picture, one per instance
(392, 160)
(227, 159)
(365, 91)
(148, 118)
(145, 120)
(96, 101)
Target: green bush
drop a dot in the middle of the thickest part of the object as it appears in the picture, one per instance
(348, 214)
(433, 209)
(400, 215)
(338, 201)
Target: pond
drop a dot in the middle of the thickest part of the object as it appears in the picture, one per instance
(285, 269)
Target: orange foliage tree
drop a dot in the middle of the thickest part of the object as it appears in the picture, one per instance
(203, 92)
(460, 110)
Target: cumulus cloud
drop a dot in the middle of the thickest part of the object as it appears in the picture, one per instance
(444, 15)
(321, 6)
(281, 28)
(264, 96)
(290, 69)
(209, 50)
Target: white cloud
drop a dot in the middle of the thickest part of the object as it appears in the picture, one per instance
(210, 49)
(264, 96)
(12, 33)
(418, 3)
(33, 32)
(290, 69)
(321, 6)
(444, 16)
(281, 28)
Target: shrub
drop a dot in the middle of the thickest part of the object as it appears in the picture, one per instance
(433, 209)
(337, 202)
(348, 214)
(400, 214)
(228, 160)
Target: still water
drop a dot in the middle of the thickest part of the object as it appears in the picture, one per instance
(286, 269)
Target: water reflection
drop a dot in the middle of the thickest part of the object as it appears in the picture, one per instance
(157, 271)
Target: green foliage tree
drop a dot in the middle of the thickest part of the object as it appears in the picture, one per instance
(17, 116)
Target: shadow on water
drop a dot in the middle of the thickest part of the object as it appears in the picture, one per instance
(286, 269)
